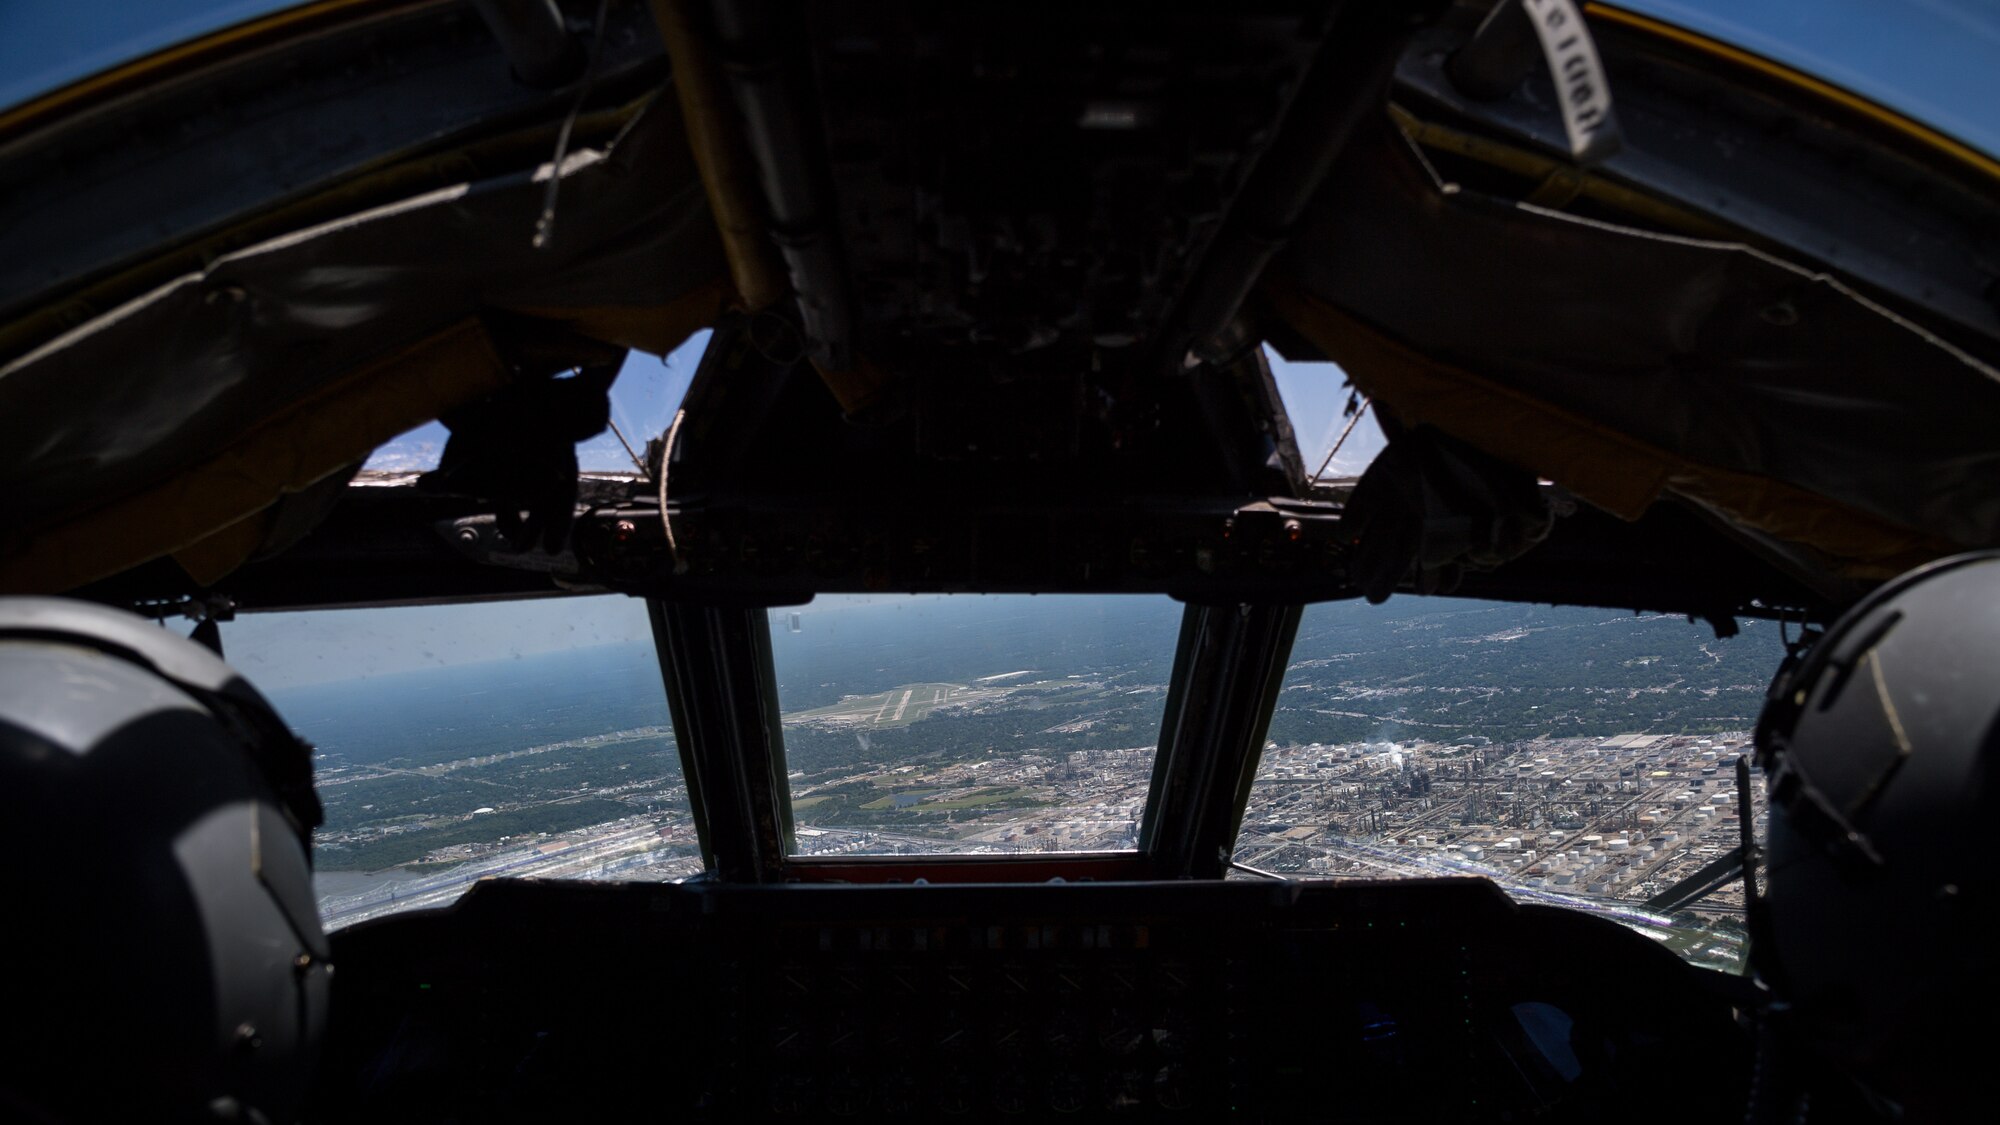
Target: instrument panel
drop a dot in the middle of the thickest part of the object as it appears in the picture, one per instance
(1428, 1000)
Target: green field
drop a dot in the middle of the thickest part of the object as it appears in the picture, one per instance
(889, 802)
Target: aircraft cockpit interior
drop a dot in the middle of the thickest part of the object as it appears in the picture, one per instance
(738, 560)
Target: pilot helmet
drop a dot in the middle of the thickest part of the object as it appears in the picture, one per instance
(1879, 746)
(163, 954)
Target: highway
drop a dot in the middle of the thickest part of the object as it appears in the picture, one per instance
(619, 853)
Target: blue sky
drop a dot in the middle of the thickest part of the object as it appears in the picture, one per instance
(280, 651)
(277, 651)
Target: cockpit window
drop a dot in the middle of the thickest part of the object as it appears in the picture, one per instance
(44, 47)
(1335, 429)
(457, 742)
(1578, 757)
(1932, 61)
(644, 397)
(972, 724)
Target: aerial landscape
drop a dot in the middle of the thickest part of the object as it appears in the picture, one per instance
(1573, 755)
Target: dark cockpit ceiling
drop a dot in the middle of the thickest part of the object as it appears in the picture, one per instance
(988, 293)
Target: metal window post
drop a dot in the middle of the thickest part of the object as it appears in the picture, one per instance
(722, 690)
(1227, 673)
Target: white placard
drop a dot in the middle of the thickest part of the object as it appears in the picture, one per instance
(1581, 86)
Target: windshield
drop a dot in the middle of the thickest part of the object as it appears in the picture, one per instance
(1337, 435)
(644, 397)
(453, 743)
(1578, 757)
(47, 46)
(975, 725)
(1932, 60)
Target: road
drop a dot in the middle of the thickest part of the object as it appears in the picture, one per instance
(618, 852)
